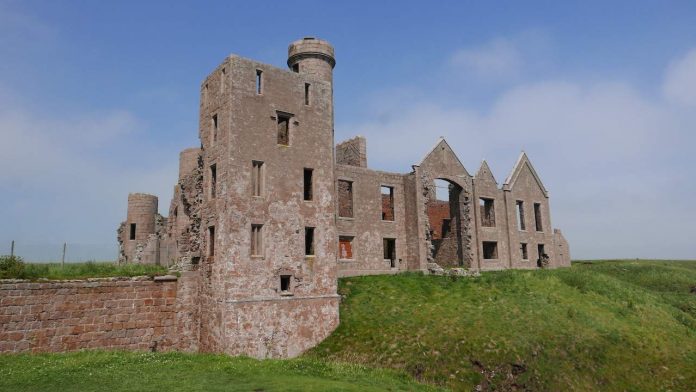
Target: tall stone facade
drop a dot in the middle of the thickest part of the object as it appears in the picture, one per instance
(267, 213)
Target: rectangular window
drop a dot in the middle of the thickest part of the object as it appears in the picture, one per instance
(308, 184)
(387, 202)
(309, 241)
(345, 199)
(256, 240)
(257, 174)
(490, 250)
(284, 129)
(487, 210)
(306, 93)
(523, 251)
(211, 241)
(222, 80)
(345, 247)
(285, 284)
(520, 215)
(296, 67)
(213, 181)
(132, 231)
(540, 251)
(537, 216)
(390, 251)
(215, 127)
(259, 81)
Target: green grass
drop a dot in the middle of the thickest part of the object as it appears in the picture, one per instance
(85, 270)
(120, 371)
(610, 326)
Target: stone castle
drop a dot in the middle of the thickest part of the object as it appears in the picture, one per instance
(269, 212)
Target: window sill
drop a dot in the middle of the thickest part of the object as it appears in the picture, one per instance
(257, 256)
(348, 218)
(286, 294)
(346, 260)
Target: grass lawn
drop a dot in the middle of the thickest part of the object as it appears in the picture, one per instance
(85, 270)
(610, 326)
(121, 371)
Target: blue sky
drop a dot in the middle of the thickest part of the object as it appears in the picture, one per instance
(97, 98)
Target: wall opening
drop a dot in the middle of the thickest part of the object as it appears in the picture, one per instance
(490, 250)
(285, 281)
(444, 208)
(389, 245)
(519, 206)
(132, 231)
(213, 180)
(487, 212)
(215, 128)
(309, 241)
(296, 68)
(540, 251)
(308, 183)
(259, 81)
(256, 240)
(537, 217)
(523, 251)
(257, 171)
(222, 80)
(211, 241)
(345, 199)
(306, 93)
(387, 194)
(283, 128)
(345, 247)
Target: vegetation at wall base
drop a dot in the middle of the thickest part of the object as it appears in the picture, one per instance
(157, 372)
(13, 267)
(608, 325)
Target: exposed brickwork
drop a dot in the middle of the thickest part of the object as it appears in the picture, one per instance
(133, 314)
(438, 214)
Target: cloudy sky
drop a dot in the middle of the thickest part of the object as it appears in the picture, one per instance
(97, 98)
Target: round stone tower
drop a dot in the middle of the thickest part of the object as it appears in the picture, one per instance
(312, 56)
(141, 216)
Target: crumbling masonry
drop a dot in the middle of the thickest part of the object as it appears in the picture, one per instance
(268, 213)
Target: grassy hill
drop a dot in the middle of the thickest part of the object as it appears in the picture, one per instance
(611, 326)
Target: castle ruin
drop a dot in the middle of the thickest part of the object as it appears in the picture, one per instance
(269, 212)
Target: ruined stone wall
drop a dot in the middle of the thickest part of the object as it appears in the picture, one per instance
(352, 152)
(523, 186)
(367, 227)
(486, 187)
(562, 248)
(109, 313)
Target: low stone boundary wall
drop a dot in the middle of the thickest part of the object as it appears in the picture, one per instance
(110, 313)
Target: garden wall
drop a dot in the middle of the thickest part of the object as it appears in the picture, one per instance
(109, 313)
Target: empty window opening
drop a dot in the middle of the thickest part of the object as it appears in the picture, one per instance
(541, 253)
(345, 199)
(446, 227)
(487, 209)
(537, 217)
(520, 215)
(285, 283)
(523, 251)
(390, 251)
(256, 240)
(345, 247)
(205, 93)
(132, 231)
(213, 180)
(309, 241)
(215, 127)
(490, 250)
(222, 80)
(387, 203)
(296, 67)
(259, 81)
(211, 241)
(442, 190)
(308, 184)
(306, 93)
(257, 169)
(284, 129)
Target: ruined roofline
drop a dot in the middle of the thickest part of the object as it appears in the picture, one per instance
(517, 169)
(440, 141)
(484, 166)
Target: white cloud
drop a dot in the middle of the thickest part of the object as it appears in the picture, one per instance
(680, 81)
(499, 58)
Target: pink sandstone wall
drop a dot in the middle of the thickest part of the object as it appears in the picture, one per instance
(109, 313)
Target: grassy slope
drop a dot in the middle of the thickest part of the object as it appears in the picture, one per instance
(611, 326)
(119, 371)
(87, 270)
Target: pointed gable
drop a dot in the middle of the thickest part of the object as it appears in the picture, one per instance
(484, 174)
(523, 163)
(442, 158)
